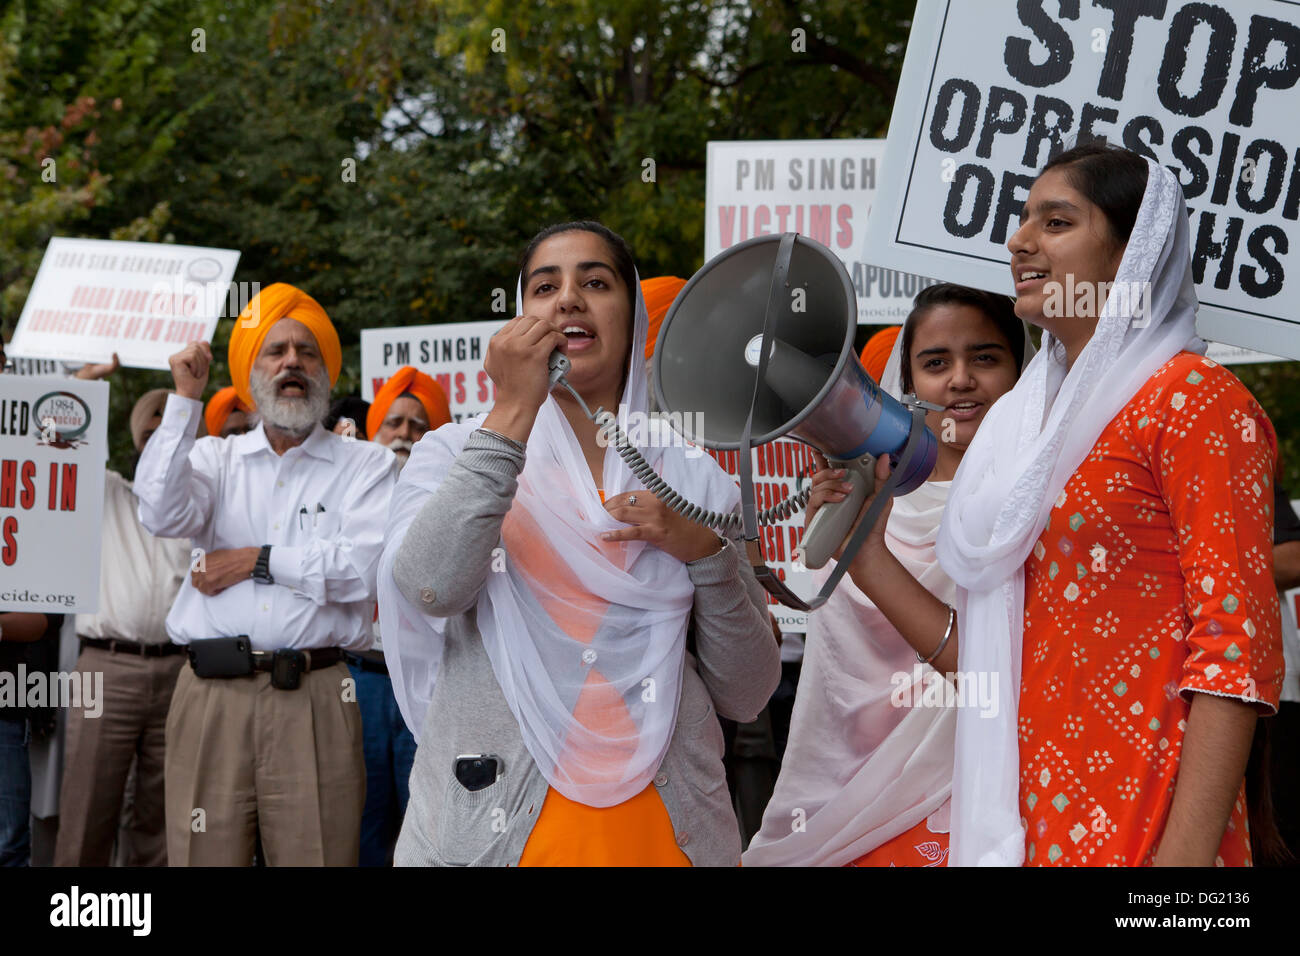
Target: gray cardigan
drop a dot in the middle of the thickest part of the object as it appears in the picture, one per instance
(440, 566)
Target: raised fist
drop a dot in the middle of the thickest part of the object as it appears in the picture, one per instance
(190, 369)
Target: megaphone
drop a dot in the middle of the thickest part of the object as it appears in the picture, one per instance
(707, 361)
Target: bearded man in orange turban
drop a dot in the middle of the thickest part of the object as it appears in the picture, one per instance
(410, 404)
(288, 520)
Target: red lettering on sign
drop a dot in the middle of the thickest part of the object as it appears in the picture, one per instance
(69, 502)
(9, 554)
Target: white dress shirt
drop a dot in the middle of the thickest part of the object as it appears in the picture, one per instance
(322, 507)
(139, 573)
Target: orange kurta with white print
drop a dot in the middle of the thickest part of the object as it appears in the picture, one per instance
(1152, 580)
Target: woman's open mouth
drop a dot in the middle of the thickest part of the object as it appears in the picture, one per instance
(965, 410)
(580, 338)
(1026, 280)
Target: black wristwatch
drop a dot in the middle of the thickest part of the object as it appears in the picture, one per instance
(262, 569)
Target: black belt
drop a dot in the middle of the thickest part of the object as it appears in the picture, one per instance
(115, 646)
(366, 664)
(316, 660)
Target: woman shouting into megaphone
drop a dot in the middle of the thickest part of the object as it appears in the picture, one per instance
(565, 641)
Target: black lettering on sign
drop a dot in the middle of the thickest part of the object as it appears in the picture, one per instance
(1227, 173)
(994, 120)
(1218, 60)
(1258, 70)
(1041, 129)
(1272, 184)
(1208, 248)
(1011, 200)
(1291, 208)
(1181, 145)
(1088, 118)
(1119, 44)
(1133, 135)
(970, 108)
(1049, 33)
(957, 199)
(1271, 284)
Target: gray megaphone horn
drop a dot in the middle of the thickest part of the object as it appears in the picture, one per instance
(795, 294)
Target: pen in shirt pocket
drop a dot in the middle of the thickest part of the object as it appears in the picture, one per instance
(315, 517)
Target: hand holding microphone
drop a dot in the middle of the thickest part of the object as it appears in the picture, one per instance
(516, 361)
(830, 487)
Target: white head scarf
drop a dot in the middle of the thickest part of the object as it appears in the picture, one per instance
(860, 769)
(623, 607)
(1025, 451)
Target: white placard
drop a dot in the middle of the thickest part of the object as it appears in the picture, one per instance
(452, 353)
(53, 450)
(820, 188)
(142, 300)
(1208, 89)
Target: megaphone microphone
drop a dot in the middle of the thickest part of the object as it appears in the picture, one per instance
(794, 295)
(807, 383)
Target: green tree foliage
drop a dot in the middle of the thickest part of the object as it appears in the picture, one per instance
(469, 124)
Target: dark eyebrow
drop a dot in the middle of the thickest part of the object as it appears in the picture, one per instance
(582, 267)
(1049, 205)
(540, 269)
(944, 350)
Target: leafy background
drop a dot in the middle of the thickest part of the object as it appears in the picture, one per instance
(462, 153)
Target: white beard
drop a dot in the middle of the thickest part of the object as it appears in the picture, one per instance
(296, 416)
(398, 445)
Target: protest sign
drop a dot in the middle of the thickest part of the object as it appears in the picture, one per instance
(53, 450)
(142, 300)
(820, 188)
(991, 90)
(781, 468)
(452, 353)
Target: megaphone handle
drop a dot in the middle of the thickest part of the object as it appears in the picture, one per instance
(833, 522)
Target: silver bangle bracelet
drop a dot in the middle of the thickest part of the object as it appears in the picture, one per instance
(513, 441)
(947, 634)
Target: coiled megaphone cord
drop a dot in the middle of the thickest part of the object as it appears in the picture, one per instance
(731, 524)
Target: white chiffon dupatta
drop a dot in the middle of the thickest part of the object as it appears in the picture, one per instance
(1024, 453)
(563, 612)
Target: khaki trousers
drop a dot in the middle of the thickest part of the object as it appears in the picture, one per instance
(244, 758)
(136, 694)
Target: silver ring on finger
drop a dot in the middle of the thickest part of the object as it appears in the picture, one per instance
(631, 499)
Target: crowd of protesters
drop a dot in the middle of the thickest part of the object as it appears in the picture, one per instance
(334, 633)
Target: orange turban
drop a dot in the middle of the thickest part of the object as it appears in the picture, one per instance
(659, 294)
(219, 408)
(278, 301)
(423, 387)
(875, 354)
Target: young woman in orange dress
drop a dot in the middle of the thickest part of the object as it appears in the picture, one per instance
(1110, 532)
